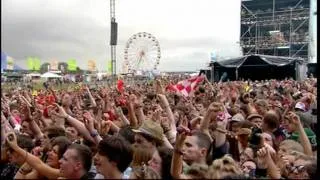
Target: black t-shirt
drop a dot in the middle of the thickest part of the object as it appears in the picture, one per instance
(219, 152)
(88, 175)
(8, 171)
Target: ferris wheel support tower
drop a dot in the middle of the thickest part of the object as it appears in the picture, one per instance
(113, 36)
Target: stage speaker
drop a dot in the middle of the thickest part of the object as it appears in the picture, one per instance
(206, 72)
(312, 69)
(114, 33)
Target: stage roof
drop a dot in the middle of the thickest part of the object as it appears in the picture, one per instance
(256, 60)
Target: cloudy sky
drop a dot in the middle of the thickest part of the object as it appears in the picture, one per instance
(187, 30)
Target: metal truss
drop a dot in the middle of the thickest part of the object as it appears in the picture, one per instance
(291, 24)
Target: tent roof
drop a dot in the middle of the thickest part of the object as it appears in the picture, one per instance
(50, 75)
(34, 74)
(271, 60)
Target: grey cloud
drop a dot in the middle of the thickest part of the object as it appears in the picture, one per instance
(63, 36)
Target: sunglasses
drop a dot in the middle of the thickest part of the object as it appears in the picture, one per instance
(292, 168)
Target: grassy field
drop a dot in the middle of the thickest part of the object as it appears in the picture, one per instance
(36, 86)
(39, 85)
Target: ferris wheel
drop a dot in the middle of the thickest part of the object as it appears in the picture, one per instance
(142, 53)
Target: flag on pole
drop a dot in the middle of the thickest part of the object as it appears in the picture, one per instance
(30, 63)
(120, 86)
(72, 65)
(54, 64)
(10, 63)
(33, 63)
(37, 63)
(185, 87)
(92, 65)
(109, 66)
(3, 61)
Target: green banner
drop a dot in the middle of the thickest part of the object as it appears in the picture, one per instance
(72, 65)
(30, 63)
(33, 63)
(109, 66)
(36, 63)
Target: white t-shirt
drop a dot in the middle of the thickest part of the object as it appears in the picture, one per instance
(126, 174)
(99, 176)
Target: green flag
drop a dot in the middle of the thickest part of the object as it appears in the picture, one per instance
(33, 63)
(30, 63)
(72, 65)
(109, 66)
(36, 63)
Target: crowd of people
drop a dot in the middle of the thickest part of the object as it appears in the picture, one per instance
(226, 130)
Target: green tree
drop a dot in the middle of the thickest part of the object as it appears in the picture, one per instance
(44, 68)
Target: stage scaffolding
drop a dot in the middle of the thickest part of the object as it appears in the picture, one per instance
(275, 27)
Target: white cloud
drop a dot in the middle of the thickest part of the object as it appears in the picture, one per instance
(186, 29)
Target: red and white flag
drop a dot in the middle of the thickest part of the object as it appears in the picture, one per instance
(186, 86)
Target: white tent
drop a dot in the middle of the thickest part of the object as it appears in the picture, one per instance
(34, 74)
(194, 74)
(50, 75)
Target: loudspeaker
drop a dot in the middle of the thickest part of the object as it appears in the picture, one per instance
(114, 33)
(312, 69)
(207, 72)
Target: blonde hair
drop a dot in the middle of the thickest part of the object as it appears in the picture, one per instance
(302, 156)
(145, 172)
(291, 145)
(197, 171)
(140, 156)
(223, 167)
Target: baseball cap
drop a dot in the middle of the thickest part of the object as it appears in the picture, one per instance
(254, 115)
(150, 128)
(237, 117)
(300, 106)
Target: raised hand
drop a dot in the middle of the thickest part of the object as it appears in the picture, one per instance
(26, 112)
(88, 121)
(3, 119)
(158, 87)
(182, 133)
(105, 127)
(165, 124)
(60, 111)
(264, 156)
(294, 119)
(12, 140)
(157, 114)
(132, 98)
(119, 111)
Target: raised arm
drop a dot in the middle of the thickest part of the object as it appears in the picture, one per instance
(273, 170)
(303, 138)
(22, 174)
(5, 128)
(132, 114)
(211, 113)
(121, 116)
(89, 121)
(166, 106)
(33, 125)
(219, 117)
(93, 102)
(54, 94)
(32, 160)
(177, 161)
(80, 127)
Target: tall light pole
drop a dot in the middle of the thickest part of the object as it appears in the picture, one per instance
(312, 49)
(113, 36)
